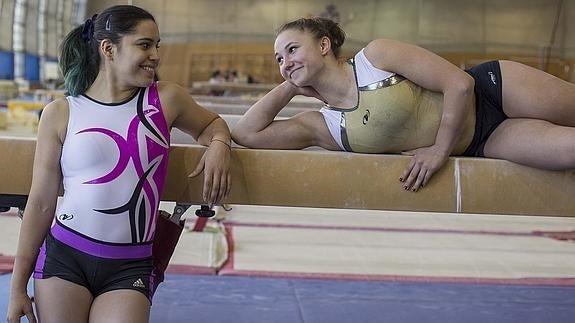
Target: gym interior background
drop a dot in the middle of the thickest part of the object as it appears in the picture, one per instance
(370, 266)
(201, 36)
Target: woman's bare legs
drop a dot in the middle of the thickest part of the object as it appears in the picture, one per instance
(540, 131)
(59, 300)
(120, 306)
(531, 93)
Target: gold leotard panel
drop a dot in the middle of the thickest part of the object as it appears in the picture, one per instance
(395, 115)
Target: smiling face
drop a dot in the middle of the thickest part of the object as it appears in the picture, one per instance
(299, 56)
(136, 58)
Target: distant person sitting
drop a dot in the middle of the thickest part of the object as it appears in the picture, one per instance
(251, 80)
(216, 78)
(233, 77)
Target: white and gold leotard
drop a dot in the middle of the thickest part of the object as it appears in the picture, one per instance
(392, 115)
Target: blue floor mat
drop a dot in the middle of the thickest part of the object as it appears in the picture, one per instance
(232, 299)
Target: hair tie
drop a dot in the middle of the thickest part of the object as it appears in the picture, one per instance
(88, 29)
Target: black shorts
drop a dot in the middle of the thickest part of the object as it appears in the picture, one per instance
(488, 105)
(98, 275)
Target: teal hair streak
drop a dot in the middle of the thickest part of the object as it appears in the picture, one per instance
(77, 63)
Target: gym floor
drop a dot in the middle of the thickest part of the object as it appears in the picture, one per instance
(319, 265)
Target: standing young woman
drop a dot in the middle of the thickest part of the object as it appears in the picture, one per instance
(108, 143)
(393, 97)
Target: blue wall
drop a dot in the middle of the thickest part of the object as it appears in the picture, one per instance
(31, 67)
(6, 65)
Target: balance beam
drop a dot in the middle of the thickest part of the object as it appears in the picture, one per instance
(296, 102)
(232, 87)
(236, 109)
(344, 180)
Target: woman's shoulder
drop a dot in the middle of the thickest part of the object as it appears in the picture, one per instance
(55, 116)
(175, 100)
(384, 52)
(382, 44)
(376, 49)
(58, 106)
(170, 89)
(368, 68)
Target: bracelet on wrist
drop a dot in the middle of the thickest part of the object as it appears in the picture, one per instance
(223, 142)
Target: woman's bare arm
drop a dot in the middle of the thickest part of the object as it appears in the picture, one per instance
(41, 204)
(209, 130)
(258, 129)
(437, 74)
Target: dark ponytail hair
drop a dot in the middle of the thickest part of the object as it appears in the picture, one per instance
(319, 27)
(79, 52)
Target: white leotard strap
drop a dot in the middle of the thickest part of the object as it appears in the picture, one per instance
(366, 74)
(332, 119)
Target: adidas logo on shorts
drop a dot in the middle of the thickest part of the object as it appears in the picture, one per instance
(139, 283)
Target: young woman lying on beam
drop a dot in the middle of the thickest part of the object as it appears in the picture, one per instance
(393, 97)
